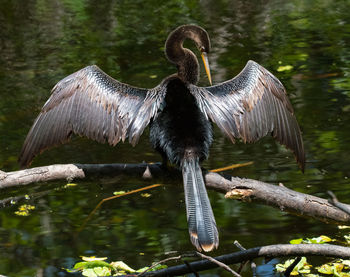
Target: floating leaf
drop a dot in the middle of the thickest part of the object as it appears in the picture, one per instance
(93, 258)
(122, 266)
(24, 210)
(346, 262)
(282, 68)
(80, 265)
(102, 271)
(347, 237)
(146, 195)
(89, 272)
(301, 268)
(70, 185)
(325, 269)
(296, 241)
(317, 240)
(335, 268)
(343, 227)
(119, 192)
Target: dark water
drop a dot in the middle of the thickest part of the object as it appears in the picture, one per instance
(43, 41)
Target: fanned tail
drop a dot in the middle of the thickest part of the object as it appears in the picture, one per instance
(201, 222)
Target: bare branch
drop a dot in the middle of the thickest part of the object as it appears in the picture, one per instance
(233, 187)
(334, 201)
(220, 264)
(271, 251)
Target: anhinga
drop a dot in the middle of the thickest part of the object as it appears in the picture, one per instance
(251, 105)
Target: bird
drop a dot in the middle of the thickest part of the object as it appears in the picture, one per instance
(180, 115)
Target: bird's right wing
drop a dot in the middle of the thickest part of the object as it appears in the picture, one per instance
(91, 103)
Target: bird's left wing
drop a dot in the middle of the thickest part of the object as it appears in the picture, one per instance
(91, 103)
(250, 106)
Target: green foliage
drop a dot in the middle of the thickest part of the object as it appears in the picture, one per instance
(24, 210)
(336, 268)
(318, 240)
(94, 267)
(301, 268)
(284, 68)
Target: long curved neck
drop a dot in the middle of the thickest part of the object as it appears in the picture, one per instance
(185, 60)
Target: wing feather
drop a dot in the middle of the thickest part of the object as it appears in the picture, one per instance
(90, 103)
(250, 106)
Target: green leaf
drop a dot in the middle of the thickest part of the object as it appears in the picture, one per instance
(80, 265)
(319, 240)
(119, 192)
(122, 266)
(301, 268)
(102, 271)
(296, 241)
(92, 264)
(346, 262)
(24, 210)
(282, 68)
(93, 258)
(89, 272)
(334, 269)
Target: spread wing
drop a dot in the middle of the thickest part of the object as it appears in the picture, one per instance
(250, 106)
(91, 103)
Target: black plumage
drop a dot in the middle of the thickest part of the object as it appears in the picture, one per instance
(250, 106)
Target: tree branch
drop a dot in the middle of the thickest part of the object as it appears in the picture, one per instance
(235, 188)
(271, 251)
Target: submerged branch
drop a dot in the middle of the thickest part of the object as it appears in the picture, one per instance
(236, 188)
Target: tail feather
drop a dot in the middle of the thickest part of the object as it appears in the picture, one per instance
(200, 217)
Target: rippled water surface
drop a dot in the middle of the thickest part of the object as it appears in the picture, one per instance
(306, 44)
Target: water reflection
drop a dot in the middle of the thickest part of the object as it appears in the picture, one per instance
(43, 41)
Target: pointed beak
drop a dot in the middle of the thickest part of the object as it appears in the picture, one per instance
(206, 65)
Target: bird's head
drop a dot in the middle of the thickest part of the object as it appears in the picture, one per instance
(174, 45)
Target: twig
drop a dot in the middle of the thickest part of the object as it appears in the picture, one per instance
(179, 257)
(111, 198)
(252, 264)
(158, 263)
(239, 246)
(220, 264)
(334, 201)
(233, 166)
